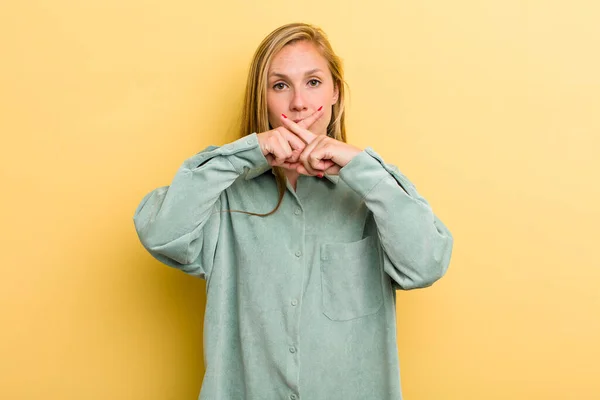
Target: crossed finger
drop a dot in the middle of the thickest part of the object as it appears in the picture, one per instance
(303, 133)
(307, 122)
(310, 139)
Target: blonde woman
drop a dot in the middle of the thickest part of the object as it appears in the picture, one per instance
(302, 238)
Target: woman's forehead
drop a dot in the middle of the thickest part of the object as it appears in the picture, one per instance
(298, 58)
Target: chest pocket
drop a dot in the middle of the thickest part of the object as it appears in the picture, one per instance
(350, 279)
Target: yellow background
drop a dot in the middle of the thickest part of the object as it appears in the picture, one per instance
(490, 107)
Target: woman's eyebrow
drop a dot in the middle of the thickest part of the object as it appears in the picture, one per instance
(310, 72)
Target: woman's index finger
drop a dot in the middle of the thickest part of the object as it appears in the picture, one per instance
(307, 122)
(300, 132)
(295, 142)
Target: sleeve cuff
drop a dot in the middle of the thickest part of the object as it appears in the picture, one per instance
(243, 154)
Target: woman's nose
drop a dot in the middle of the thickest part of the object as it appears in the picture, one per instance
(298, 101)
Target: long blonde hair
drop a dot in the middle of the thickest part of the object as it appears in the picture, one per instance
(255, 117)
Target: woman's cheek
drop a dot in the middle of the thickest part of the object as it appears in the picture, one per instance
(325, 122)
(274, 120)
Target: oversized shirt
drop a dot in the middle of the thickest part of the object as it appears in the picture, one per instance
(301, 303)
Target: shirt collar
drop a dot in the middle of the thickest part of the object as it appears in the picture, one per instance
(254, 172)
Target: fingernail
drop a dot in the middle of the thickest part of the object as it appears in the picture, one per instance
(320, 108)
(319, 175)
(284, 116)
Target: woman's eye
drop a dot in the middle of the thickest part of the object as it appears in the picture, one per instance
(314, 82)
(279, 86)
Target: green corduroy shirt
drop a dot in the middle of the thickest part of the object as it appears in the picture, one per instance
(300, 304)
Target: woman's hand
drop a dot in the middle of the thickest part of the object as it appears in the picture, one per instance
(282, 148)
(322, 154)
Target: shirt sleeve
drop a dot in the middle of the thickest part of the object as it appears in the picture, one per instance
(417, 246)
(179, 224)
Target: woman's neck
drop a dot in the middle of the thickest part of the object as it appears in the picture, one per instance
(292, 177)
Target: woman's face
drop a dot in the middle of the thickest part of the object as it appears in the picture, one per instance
(299, 82)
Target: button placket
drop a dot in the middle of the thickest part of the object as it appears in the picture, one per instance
(297, 225)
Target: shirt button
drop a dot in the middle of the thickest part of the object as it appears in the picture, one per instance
(294, 302)
(292, 349)
(249, 141)
(293, 397)
(297, 211)
(298, 253)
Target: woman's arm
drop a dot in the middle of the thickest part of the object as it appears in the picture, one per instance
(179, 224)
(417, 245)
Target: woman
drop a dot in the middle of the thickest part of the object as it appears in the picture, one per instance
(301, 271)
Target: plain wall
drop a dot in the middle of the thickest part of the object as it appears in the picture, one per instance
(490, 107)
